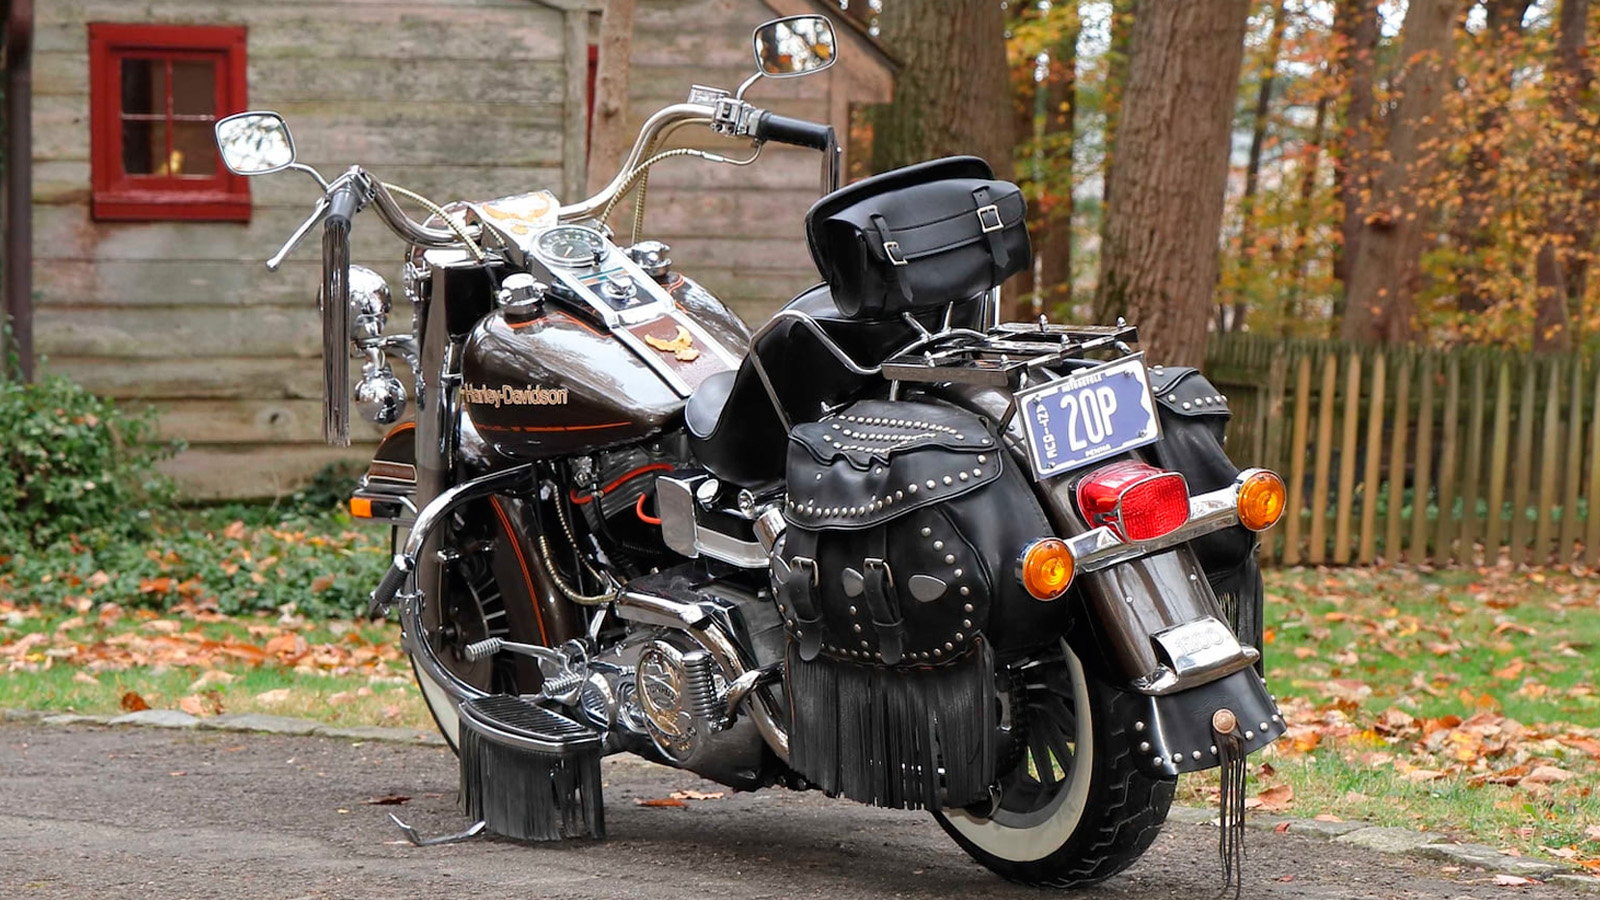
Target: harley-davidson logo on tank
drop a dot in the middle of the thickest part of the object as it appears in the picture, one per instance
(506, 395)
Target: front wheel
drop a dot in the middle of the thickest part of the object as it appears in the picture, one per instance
(1074, 809)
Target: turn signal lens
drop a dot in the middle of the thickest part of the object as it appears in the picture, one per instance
(1261, 500)
(361, 507)
(1046, 568)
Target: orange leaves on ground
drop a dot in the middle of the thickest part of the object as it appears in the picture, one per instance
(1276, 798)
(132, 702)
(106, 642)
(667, 802)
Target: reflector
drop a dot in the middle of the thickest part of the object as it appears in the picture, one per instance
(1261, 500)
(1047, 568)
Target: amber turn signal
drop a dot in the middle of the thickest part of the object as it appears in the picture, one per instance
(1046, 568)
(1261, 500)
(361, 507)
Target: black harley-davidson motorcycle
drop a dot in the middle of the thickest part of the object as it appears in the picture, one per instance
(884, 546)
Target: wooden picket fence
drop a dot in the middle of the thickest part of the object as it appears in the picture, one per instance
(1440, 457)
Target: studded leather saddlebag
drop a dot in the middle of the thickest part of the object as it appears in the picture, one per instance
(897, 585)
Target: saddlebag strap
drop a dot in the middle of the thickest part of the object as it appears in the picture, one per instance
(890, 251)
(993, 230)
(878, 583)
(799, 593)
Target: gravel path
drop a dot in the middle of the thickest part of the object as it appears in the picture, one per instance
(147, 812)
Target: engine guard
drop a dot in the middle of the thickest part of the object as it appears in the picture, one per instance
(1174, 731)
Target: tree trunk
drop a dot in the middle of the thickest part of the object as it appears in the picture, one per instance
(1051, 228)
(1117, 56)
(1356, 22)
(1303, 216)
(1560, 266)
(1470, 233)
(1158, 267)
(1382, 276)
(607, 138)
(953, 93)
(1234, 319)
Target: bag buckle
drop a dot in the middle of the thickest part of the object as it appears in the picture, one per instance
(891, 249)
(991, 210)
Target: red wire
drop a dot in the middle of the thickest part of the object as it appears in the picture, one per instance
(581, 499)
(645, 517)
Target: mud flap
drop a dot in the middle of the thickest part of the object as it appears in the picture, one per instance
(1175, 731)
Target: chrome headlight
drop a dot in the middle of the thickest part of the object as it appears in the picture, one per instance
(370, 303)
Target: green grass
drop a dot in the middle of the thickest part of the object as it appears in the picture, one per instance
(1429, 700)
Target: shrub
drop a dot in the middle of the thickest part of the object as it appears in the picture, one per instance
(75, 465)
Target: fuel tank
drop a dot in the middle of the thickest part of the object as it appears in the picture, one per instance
(555, 381)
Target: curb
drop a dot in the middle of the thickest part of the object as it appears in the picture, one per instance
(1419, 845)
(1397, 841)
(240, 722)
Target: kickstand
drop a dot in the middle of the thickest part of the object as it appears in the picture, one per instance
(420, 841)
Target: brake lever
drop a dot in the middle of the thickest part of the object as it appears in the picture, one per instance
(299, 234)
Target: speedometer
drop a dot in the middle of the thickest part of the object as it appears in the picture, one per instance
(572, 246)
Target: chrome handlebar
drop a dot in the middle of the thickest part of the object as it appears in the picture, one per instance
(662, 121)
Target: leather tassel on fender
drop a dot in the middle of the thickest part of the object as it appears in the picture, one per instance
(335, 302)
(1230, 842)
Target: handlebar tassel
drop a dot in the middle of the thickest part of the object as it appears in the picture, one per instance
(335, 301)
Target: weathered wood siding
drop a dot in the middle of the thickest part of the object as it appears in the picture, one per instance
(448, 97)
(739, 231)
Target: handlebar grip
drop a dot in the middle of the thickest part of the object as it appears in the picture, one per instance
(393, 580)
(342, 204)
(799, 132)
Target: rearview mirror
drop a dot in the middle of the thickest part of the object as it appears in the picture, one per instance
(255, 143)
(796, 45)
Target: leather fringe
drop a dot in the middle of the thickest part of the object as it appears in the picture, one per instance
(1230, 842)
(883, 736)
(530, 796)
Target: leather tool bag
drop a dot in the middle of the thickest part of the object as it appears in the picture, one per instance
(920, 236)
(895, 580)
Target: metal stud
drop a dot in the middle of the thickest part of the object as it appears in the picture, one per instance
(926, 531)
(966, 623)
(1185, 404)
(1144, 746)
(1138, 726)
(911, 489)
(964, 476)
(1264, 726)
(960, 636)
(949, 646)
(852, 610)
(1172, 398)
(865, 645)
(1177, 757)
(938, 652)
(976, 472)
(957, 573)
(982, 458)
(965, 590)
(932, 483)
(857, 627)
(937, 545)
(949, 558)
(966, 607)
(1196, 754)
(1158, 760)
(949, 480)
(1249, 735)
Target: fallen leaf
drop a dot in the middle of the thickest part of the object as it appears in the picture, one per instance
(1546, 775)
(1281, 828)
(273, 697)
(83, 677)
(234, 532)
(390, 800)
(698, 795)
(1277, 798)
(132, 702)
(211, 677)
(193, 705)
(321, 583)
(661, 801)
(1512, 880)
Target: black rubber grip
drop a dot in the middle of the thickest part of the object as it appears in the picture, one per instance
(383, 594)
(342, 205)
(799, 132)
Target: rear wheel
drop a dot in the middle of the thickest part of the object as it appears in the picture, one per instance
(1074, 809)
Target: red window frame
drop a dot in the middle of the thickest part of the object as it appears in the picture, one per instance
(118, 196)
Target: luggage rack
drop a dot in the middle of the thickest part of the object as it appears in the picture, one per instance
(1002, 355)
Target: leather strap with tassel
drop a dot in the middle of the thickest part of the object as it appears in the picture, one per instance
(1230, 842)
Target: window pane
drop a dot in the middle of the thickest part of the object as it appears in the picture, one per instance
(194, 151)
(144, 86)
(143, 145)
(194, 90)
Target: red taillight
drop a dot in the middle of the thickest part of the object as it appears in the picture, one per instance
(1138, 501)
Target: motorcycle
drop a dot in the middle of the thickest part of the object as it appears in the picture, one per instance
(884, 546)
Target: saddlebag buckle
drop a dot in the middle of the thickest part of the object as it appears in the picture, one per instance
(984, 223)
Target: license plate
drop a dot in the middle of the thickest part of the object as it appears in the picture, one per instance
(1088, 416)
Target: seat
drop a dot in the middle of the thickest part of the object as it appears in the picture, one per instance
(734, 431)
